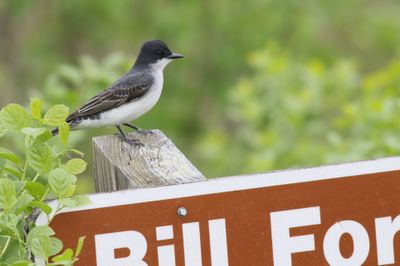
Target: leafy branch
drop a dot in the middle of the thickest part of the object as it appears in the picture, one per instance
(26, 182)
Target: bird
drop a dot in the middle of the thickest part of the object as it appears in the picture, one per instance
(131, 96)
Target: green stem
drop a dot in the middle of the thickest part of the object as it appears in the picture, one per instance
(65, 151)
(21, 243)
(5, 247)
(45, 194)
(36, 177)
(23, 191)
(25, 168)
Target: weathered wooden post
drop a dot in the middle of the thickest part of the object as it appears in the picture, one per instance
(157, 162)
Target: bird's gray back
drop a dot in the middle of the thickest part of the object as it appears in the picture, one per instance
(128, 88)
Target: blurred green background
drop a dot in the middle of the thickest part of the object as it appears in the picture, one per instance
(265, 84)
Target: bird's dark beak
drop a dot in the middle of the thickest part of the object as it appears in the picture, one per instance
(175, 56)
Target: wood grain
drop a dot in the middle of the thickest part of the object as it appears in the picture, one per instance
(156, 161)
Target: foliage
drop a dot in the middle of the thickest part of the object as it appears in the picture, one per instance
(26, 182)
(291, 112)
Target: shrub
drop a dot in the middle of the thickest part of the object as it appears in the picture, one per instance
(45, 169)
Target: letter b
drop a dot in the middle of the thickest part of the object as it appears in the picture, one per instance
(132, 240)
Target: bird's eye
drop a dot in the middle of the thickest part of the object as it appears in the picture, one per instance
(160, 52)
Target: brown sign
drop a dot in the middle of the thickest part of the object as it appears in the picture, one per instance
(345, 214)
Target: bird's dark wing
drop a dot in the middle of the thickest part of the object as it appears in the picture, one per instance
(125, 90)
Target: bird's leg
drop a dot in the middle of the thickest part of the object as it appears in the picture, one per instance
(139, 130)
(122, 134)
(131, 126)
(126, 139)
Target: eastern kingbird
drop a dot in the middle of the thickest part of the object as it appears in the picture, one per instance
(131, 96)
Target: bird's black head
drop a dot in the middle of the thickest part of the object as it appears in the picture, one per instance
(153, 52)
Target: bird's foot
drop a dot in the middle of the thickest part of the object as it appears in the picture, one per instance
(134, 142)
(146, 132)
(140, 130)
(131, 141)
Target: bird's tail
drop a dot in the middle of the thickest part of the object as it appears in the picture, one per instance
(54, 132)
(71, 123)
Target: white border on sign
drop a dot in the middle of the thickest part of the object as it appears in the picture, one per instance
(236, 183)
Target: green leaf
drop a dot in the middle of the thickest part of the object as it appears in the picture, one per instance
(15, 252)
(79, 246)
(36, 108)
(70, 191)
(3, 131)
(14, 117)
(7, 193)
(62, 182)
(33, 132)
(67, 255)
(56, 246)
(68, 202)
(63, 263)
(41, 205)
(9, 155)
(39, 231)
(81, 200)
(21, 226)
(41, 247)
(76, 201)
(8, 221)
(21, 203)
(56, 114)
(19, 185)
(3, 163)
(64, 129)
(40, 157)
(78, 152)
(36, 189)
(75, 166)
(45, 136)
(22, 263)
(13, 170)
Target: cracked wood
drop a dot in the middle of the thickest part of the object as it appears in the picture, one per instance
(156, 161)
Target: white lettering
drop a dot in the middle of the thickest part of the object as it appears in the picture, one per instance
(192, 244)
(132, 240)
(385, 232)
(283, 245)
(360, 243)
(166, 254)
(218, 242)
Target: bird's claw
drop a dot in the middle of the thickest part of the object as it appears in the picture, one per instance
(131, 141)
(134, 142)
(145, 132)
